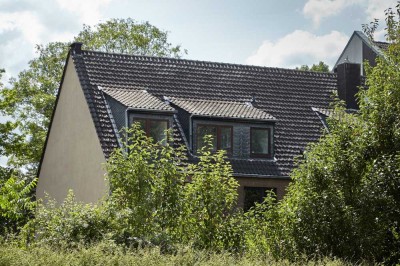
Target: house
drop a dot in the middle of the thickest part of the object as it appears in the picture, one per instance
(359, 49)
(263, 117)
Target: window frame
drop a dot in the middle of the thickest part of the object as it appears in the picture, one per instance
(229, 152)
(261, 155)
(147, 124)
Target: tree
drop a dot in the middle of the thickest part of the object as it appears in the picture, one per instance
(147, 187)
(320, 67)
(209, 198)
(344, 200)
(30, 98)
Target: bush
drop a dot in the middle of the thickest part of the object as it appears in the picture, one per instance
(16, 204)
(209, 198)
(69, 225)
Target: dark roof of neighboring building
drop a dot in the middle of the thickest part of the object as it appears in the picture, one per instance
(287, 95)
(137, 99)
(222, 109)
(382, 45)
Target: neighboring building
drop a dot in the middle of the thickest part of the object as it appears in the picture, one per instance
(360, 49)
(263, 117)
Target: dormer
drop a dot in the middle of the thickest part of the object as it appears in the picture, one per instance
(244, 131)
(128, 106)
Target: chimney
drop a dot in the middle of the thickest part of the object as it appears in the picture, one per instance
(76, 48)
(349, 79)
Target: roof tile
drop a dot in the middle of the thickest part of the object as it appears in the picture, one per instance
(287, 95)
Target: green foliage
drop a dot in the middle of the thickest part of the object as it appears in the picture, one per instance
(128, 37)
(69, 225)
(30, 98)
(16, 204)
(209, 197)
(147, 180)
(320, 67)
(151, 202)
(107, 253)
(344, 200)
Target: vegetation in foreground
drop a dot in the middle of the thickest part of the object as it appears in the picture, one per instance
(107, 253)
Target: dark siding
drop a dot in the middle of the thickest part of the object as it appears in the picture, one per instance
(241, 135)
(118, 112)
(369, 55)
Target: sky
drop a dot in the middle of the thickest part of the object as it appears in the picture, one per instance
(284, 33)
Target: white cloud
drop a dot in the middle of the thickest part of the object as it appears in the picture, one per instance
(300, 48)
(88, 10)
(25, 22)
(319, 9)
(376, 8)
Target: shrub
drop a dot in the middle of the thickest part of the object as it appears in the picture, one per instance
(16, 204)
(209, 198)
(70, 224)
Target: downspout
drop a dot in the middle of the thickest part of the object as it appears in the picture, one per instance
(191, 133)
(126, 126)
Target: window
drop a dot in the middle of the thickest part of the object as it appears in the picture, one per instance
(222, 137)
(254, 195)
(156, 129)
(260, 142)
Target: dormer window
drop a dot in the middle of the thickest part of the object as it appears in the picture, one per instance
(154, 128)
(222, 137)
(260, 142)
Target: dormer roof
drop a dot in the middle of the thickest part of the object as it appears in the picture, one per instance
(221, 109)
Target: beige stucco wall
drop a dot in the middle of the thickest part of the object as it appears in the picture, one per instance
(73, 157)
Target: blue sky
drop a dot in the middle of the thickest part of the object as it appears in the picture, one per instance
(283, 33)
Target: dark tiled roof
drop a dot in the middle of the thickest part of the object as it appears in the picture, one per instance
(382, 45)
(287, 95)
(137, 99)
(224, 109)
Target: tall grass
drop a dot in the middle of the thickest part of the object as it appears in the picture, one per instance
(109, 254)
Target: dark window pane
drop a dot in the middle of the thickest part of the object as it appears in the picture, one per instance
(157, 130)
(204, 131)
(226, 138)
(253, 195)
(259, 141)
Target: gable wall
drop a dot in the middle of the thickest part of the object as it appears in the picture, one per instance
(353, 52)
(73, 157)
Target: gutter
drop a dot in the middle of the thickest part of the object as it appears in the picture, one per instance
(262, 176)
(233, 118)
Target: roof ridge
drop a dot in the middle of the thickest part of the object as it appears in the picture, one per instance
(213, 64)
(205, 100)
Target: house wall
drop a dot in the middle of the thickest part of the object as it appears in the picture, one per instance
(279, 183)
(73, 157)
(353, 52)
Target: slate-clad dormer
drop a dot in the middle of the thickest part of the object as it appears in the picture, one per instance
(241, 129)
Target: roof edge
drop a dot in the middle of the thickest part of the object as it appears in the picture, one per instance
(53, 113)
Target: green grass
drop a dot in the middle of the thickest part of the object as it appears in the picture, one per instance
(108, 254)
